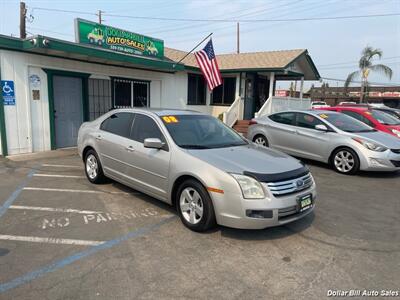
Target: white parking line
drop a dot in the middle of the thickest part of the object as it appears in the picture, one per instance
(57, 176)
(36, 239)
(28, 188)
(64, 210)
(61, 166)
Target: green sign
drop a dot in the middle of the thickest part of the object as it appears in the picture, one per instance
(115, 39)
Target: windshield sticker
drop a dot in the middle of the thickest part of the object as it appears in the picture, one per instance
(324, 116)
(170, 119)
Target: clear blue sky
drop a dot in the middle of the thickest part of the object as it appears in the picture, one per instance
(328, 42)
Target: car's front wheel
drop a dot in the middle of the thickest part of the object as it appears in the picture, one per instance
(93, 168)
(194, 206)
(346, 161)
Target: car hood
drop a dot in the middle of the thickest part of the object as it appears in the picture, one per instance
(248, 158)
(385, 139)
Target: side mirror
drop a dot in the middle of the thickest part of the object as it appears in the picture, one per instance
(321, 127)
(153, 143)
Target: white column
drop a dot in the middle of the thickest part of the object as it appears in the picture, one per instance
(301, 87)
(271, 84)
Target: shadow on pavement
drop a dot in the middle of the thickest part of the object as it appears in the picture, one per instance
(271, 233)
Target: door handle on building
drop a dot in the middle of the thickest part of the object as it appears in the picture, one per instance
(130, 149)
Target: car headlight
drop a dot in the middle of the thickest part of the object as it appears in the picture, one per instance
(371, 145)
(251, 188)
(396, 132)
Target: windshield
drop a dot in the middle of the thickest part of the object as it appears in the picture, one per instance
(384, 118)
(319, 103)
(346, 123)
(201, 132)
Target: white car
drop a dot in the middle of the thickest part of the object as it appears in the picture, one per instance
(319, 104)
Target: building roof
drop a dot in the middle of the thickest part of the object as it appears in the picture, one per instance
(255, 61)
(250, 60)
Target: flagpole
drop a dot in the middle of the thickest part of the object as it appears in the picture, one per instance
(174, 65)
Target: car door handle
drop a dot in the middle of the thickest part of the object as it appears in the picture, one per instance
(130, 149)
(99, 138)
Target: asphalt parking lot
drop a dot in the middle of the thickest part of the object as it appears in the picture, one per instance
(64, 238)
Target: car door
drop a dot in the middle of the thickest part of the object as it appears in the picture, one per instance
(281, 131)
(310, 142)
(112, 143)
(148, 168)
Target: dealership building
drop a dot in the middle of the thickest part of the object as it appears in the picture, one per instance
(50, 86)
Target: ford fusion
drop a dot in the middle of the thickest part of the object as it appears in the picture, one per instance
(346, 143)
(199, 165)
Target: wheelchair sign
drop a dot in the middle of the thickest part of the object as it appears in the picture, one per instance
(7, 90)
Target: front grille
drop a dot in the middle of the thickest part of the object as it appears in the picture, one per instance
(282, 188)
(396, 163)
(397, 151)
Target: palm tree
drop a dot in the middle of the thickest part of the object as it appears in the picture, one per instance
(365, 67)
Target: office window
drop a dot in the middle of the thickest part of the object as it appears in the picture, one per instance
(196, 90)
(225, 93)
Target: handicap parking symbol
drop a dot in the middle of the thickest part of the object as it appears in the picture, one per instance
(8, 92)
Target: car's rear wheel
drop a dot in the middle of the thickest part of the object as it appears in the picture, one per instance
(261, 140)
(346, 161)
(93, 168)
(194, 206)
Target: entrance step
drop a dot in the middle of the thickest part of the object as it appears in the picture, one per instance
(242, 126)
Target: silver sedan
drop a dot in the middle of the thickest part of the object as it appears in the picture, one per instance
(342, 141)
(199, 165)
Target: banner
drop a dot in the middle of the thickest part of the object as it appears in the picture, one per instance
(106, 37)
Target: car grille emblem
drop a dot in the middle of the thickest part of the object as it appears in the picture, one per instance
(299, 183)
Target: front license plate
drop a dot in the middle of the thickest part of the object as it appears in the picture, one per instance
(305, 202)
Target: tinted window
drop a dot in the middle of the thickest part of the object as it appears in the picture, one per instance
(284, 118)
(144, 127)
(358, 117)
(307, 121)
(224, 94)
(119, 124)
(196, 89)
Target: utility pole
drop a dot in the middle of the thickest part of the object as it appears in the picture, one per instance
(22, 20)
(238, 38)
(99, 15)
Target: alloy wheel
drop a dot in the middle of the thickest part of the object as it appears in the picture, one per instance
(92, 167)
(344, 161)
(191, 205)
(261, 141)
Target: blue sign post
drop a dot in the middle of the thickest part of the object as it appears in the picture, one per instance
(8, 92)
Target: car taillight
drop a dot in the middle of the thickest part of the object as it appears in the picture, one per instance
(253, 122)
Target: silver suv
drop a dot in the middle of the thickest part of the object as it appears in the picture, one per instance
(199, 165)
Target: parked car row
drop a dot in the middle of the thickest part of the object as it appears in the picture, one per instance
(348, 138)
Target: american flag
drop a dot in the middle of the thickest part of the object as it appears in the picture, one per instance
(208, 64)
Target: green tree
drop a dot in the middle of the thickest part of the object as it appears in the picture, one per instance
(365, 66)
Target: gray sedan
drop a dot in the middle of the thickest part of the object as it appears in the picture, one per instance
(342, 141)
(199, 165)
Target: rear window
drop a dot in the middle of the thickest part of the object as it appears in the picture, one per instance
(287, 118)
(119, 124)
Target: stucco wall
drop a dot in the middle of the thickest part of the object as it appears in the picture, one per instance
(28, 122)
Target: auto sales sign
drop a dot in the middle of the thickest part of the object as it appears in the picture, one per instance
(106, 37)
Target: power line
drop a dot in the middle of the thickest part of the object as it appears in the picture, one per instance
(353, 62)
(354, 81)
(221, 20)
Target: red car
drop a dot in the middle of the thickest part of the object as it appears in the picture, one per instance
(375, 118)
